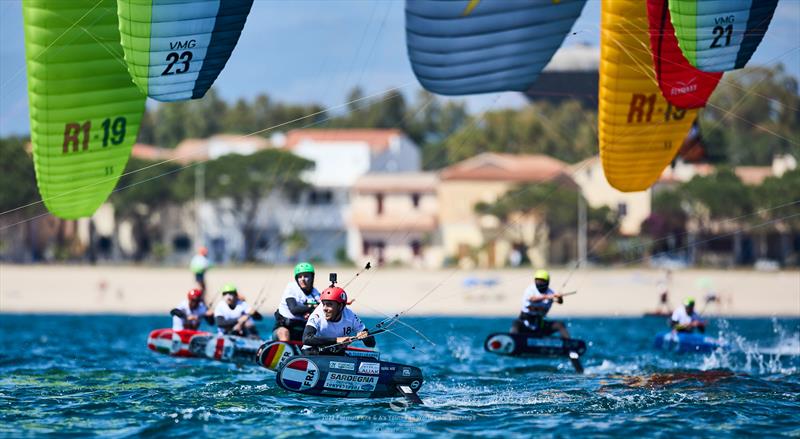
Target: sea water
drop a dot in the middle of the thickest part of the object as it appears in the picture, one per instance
(93, 375)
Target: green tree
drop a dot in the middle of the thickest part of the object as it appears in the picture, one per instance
(752, 115)
(146, 188)
(566, 131)
(779, 199)
(247, 180)
(666, 224)
(556, 203)
(17, 177)
(294, 243)
(240, 118)
(720, 195)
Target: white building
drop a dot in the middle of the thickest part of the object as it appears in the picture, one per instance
(312, 224)
(632, 207)
(340, 156)
(394, 219)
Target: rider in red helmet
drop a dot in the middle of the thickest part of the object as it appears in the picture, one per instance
(188, 313)
(333, 325)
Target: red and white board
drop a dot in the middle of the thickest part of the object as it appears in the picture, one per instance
(171, 342)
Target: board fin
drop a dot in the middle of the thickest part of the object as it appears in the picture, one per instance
(409, 394)
(575, 359)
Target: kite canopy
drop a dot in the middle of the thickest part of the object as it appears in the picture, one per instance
(84, 109)
(681, 84)
(175, 49)
(640, 132)
(720, 35)
(459, 47)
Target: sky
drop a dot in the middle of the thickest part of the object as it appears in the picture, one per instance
(315, 51)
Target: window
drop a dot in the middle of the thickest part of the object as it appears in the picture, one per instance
(182, 243)
(415, 200)
(416, 248)
(319, 197)
(622, 209)
(379, 202)
(104, 244)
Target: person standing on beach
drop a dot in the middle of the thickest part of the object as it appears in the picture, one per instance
(199, 265)
(297, 303)
(191, 312)
(685, 319)
(536, 302)
(234, 316)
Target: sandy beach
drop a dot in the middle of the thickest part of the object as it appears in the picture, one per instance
(601, 292)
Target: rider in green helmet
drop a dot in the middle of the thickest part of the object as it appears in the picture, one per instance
(536, 302)
(685, 319)
(299, 299)
(235, 316)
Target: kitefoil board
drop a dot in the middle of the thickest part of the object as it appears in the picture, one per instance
(274, 354)
(349, 377)
(527, 345)
(686, 342)
(228, 348)
(174, 343)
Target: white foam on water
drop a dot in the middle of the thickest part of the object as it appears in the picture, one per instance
(460, 347)
(748, 356)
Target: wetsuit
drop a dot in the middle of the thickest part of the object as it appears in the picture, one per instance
(227, 317)
(681, 319)
(181, 313)
(320, 332)
(295, 304)
(531, 319)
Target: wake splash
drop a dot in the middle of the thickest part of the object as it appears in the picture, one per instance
(781, 355)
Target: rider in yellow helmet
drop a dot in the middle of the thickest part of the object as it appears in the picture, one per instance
(536, 302)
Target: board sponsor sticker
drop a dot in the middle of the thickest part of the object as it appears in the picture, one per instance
(406, 372)
(500, 343)
(370, 368)
(300, 374)
(276, 355)
(545, 342)
(342, 365)
(346, 381)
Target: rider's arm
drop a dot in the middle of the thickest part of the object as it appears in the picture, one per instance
(310, 338)
(298, 309)
(542, 297)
